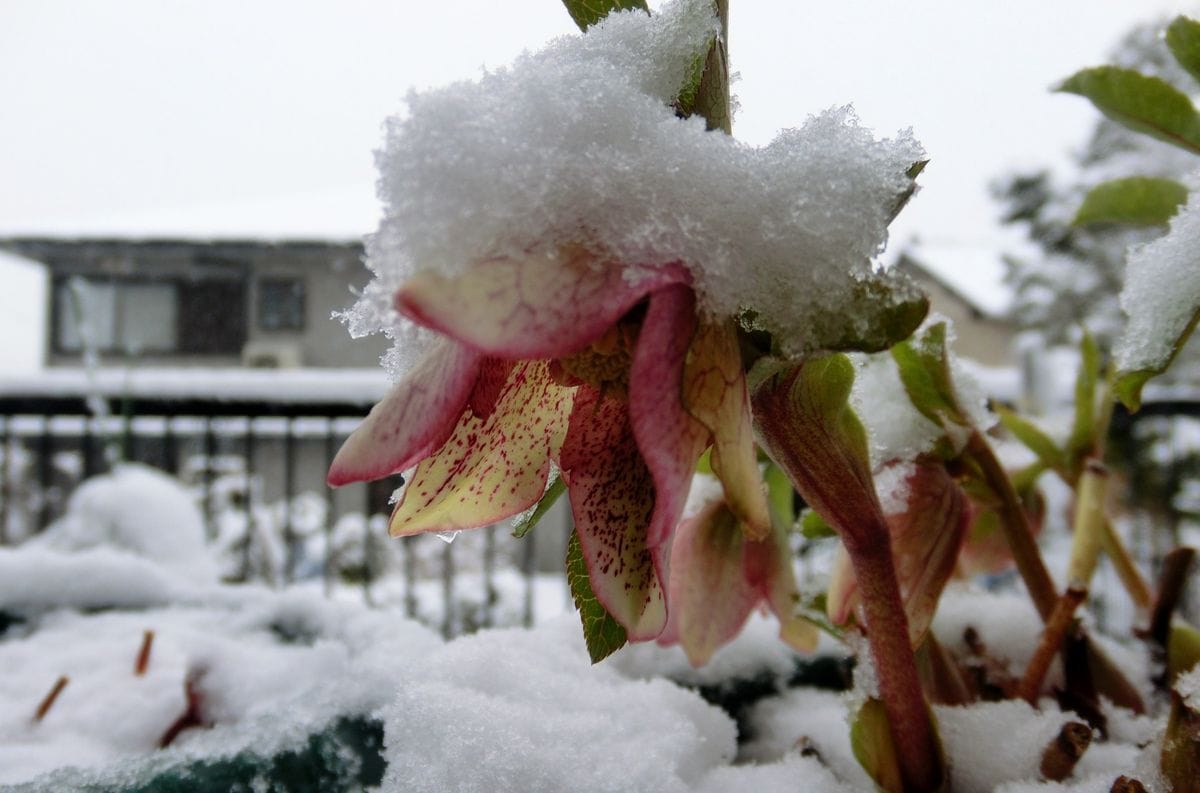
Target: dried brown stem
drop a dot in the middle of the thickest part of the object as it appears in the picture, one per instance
(50, 698)
(1061, 755)
(1170, 589)
(1127, 784)
(143, 657)
(1048, 645)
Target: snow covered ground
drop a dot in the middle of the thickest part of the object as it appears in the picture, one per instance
(168, 680)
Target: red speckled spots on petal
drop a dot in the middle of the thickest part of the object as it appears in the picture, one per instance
(415, 417)
(716, 395)
(669, 438)
(612, 499)
(490, 469)
(493, 374)
(537, 306)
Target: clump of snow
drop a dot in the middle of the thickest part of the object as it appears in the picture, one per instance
(497, 711)
(578, 144)
(138, 509)
(1161, 293)
(1014, 733)
(1006, 623)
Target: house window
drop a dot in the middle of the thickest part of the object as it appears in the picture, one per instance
(116, 316)
(281, 304)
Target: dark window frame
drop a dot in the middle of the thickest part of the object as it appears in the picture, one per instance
(295, 319)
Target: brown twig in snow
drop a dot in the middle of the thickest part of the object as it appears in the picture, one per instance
(143, 658)
(1061, 755)
(1127, 784)
(48, 700)
(1170, 589)
(1052, 637)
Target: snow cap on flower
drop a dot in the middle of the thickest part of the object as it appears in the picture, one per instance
(578, 143)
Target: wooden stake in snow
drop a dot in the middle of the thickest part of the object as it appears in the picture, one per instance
(48, 701)
(143, 658)
(1061, 755)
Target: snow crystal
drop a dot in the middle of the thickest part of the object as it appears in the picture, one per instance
(498, 710)
(781, 777)
(578, 143)
(1161, 293)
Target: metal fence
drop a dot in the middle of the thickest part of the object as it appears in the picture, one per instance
(254, 463)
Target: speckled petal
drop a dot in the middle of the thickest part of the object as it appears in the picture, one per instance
(416, 416)
(612, 499)
(716, 395)
(536, 306)
(669, 438)
(490, 469)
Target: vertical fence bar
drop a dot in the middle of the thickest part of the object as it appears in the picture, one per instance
(170, 447)
(489, 575)
(528, 549)
(209, 452)
(6, 486)
(248, 500)
(327, 562)
(45, 469)
(87, 448)
(291, 544)
(410, 577)
(448, 614)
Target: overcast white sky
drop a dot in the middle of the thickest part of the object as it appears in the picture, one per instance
(152, 115)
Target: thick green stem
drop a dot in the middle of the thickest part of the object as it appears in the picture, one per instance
(899, 684)
(1015, 525)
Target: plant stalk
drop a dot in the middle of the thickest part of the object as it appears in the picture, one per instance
(1015, 525)
(895, 667)
(1049, 644)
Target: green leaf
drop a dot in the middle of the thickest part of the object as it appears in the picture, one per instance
(780, 496)
(1144, 104)
(588, 12)
(902, 200)
(871, 741)
(1134, 201)
(1183, 649)
(1183, 38)
(814, 527)
(524, 526)
(1034, 439)
(1129, 383)
(1083, 427)
(882, 311)
(603, 634)
(925, 371)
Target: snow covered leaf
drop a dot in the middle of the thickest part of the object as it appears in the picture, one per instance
(1161, 298)
(1135, 201)
(602, 634)
(1183, 39)
(924, 363)
(588, 12)
(880, 311)
(1149, 105)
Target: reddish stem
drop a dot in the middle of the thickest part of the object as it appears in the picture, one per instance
(1052, 638)
(895, 667)
(49, 699)
(143, 658)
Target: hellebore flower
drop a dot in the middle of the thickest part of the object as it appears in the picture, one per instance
(719, 575)
(573, 358)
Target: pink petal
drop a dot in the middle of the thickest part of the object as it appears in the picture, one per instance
(716, 395)
(669, 438)
(768, 567)
(710, 597)
(415, 417)
(536, 306)
(490, 469)
(841, 597)
(493, 374)
(612, 499)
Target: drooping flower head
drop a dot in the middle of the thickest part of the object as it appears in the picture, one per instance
(578, 261)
